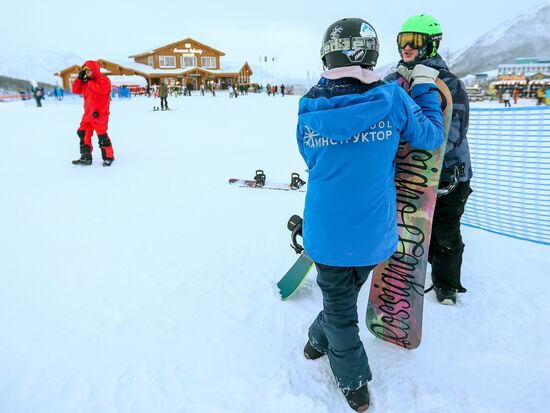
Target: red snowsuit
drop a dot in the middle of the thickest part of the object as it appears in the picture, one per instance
(97, 98)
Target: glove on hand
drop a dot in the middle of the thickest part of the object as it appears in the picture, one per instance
(95, 114)
(82, 75)
(419, 74)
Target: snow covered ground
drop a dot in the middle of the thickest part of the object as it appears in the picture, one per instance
(150, 286)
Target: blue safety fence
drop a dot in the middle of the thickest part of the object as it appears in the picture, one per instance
(510, 149)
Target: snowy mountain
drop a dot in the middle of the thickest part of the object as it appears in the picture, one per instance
(521, 36)
(502, 44)
(526, 35)
(35, 64)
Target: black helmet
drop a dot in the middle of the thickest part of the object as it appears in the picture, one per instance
(349, 42)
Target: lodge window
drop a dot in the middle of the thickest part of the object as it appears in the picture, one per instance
(167, 61)
(150, 60)
(188, 61)
(208, 62)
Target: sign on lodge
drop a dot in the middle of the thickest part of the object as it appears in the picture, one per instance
(186, 61)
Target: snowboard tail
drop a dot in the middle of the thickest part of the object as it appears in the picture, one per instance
(396, 298)
(295, 276)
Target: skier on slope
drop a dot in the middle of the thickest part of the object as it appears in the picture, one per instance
(96, 90)
(348, 132)
(417, 42)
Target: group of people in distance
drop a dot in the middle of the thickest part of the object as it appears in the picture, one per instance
(349, 216)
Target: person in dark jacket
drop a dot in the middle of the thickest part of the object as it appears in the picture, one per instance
(38, 94)
(163, 94)
(349, 128)
(96, 90)
(417, 43)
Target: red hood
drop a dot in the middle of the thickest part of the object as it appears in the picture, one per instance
(94, 67)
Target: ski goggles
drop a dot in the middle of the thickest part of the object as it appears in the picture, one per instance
(414, 40)
(86, 68)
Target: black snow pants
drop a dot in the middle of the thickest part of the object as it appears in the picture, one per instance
(446, 246)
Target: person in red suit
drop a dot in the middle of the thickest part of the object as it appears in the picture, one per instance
(96, 90)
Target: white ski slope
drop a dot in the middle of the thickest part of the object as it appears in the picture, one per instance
(150, 286)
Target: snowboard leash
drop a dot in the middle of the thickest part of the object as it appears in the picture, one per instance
(458, 171)
(295, 225)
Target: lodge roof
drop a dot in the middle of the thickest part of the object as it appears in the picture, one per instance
(186, 40)
(144, 70)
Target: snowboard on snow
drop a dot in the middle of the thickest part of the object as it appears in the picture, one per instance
(396, 298)
(295, 184)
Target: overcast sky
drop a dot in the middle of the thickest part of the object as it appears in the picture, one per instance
(245, 30)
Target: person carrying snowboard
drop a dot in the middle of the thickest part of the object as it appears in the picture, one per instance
(96, 90)
(349, 128)
(417, 42)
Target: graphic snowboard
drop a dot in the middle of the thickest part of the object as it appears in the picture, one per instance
(396, 297)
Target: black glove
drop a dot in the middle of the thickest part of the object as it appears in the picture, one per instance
(82, 75)
(95, 114)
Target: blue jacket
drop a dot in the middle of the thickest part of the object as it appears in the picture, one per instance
(348, 134)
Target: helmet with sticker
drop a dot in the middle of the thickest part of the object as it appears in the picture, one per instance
(349, 42)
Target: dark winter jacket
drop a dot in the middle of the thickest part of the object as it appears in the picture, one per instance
(97, 94)
(163, 90)
(39, 93)
(457, 151)
(348, 134)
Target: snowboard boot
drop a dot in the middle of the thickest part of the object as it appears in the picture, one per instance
(359, 399)
(311, 353)
(84, 160)
(445, 296)
(108, 162)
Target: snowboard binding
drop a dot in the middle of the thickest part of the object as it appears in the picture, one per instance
(295, 225)
(295, 181)
(259, 178)
(155, 108)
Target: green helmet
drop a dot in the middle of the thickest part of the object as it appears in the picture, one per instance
(430, 35)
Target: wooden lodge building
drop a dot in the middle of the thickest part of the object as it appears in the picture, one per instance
(186, 61)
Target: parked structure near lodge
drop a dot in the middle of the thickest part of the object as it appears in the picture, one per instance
(187, 61)
(526, 66)
(525, 88)
(522, 78)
